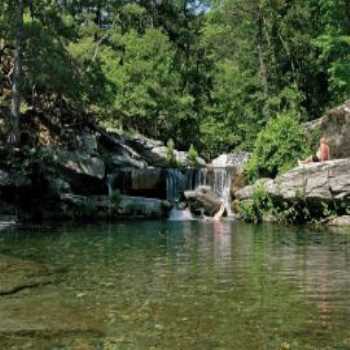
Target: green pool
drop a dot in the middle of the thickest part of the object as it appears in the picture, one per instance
(181, 285)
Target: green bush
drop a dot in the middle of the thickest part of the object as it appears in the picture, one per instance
(192, 156)
(170, 153)
(278, 147)
(253, 210)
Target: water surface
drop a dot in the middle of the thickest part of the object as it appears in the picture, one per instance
(182, 285)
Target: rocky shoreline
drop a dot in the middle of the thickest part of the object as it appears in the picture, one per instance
(108, 174)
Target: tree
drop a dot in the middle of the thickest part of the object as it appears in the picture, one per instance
(17, 79)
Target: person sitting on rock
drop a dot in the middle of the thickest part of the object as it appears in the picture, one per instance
(322, 154)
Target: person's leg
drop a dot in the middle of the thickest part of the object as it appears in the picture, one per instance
(220, 213)
(306, 161)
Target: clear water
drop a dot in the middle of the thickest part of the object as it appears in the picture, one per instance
(184, 285)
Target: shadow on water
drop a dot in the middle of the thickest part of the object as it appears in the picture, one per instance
(185, 285)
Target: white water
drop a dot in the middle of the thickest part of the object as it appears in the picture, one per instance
(180, 215)
(219, 179)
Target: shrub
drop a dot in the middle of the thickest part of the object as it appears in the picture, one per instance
(253, 210)
(278, 147)
(170, 153)
(192, 156)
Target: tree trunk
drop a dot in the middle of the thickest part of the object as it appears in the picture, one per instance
(260, 45)
(17, 75)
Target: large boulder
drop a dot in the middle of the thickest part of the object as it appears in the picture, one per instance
(316, 182)
(144, 208)
(335, 126)
(235, 160)
(125, 160)
(203, 201)
(85, 173)
(82, 164)
(158, 156)
(156, 153)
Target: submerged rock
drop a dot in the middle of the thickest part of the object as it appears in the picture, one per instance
(46, 317)
(17, 275)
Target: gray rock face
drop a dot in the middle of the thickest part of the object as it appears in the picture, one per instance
(102, 207)
(235, 160)
(335, 126)
(138, 151)
(319, 182)
(126, 161)
(248, 191)
(157, 156)
(147, 208)
(84, 173)
(141, 142)
(82, 164)
(149, 182)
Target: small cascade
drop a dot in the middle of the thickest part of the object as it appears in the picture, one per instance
(109, 182)
(222, 180)
(219, 179)
(110, 185)
(176, 183)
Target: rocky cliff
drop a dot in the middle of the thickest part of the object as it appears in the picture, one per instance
(322, 188)
(335, 126)
(65, 173)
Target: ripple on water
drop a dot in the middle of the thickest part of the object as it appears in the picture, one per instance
(196, 285)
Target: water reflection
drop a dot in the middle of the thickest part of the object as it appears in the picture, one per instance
(200, 285)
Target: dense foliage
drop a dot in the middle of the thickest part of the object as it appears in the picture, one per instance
(207, 73)
(278, 147)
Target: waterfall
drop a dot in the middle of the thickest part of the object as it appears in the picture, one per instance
(109, 182)
(177, 182)
(222, 181)
(219, 179)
